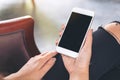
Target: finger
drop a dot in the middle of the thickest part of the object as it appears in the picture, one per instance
(39, 55)
(47, 66)
(44, 53)
(60, 34)
(85, 53)
(62, 27)
(88, 41)
(61, 30)
(57, 41)
(46, 57)
(49, 55)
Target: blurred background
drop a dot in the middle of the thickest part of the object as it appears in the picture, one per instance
(49, 15)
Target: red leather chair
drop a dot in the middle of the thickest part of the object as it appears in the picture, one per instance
(17, 43)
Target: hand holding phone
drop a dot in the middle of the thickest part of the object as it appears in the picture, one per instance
(74, 34)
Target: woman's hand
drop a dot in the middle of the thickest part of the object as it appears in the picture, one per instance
(78, 68)
(35, 68)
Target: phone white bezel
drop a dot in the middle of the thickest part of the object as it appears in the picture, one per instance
(70, 52)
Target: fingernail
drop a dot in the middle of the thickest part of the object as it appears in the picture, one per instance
(92, 30)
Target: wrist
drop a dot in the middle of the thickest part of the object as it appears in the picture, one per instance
(82, 74)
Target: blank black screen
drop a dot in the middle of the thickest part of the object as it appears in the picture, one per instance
(75, 31)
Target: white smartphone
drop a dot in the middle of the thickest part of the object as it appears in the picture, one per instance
(74, 34)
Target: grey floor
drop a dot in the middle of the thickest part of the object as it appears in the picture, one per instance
(49, 15)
